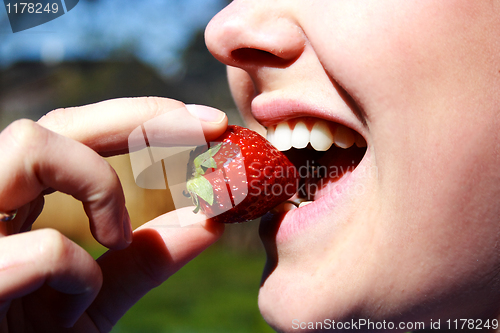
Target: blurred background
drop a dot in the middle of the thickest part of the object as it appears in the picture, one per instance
(105, 49)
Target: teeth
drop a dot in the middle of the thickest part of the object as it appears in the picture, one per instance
(284, 207)
(282, 137)
(300, 135)
(305, 203)
(270, 134)
(321, 136)
(290, 205)
(344, 137)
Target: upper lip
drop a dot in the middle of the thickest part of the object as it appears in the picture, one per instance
(274, 111)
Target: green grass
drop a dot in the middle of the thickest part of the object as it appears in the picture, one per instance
(216, 292)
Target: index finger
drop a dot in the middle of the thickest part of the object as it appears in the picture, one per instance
(106, 126)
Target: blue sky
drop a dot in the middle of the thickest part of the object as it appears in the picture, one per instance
(155, 31)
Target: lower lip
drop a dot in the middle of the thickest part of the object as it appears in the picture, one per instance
(293, 222)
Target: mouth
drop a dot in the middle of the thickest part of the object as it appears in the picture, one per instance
(323, 152)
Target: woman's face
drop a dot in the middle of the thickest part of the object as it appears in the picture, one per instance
(410, 229)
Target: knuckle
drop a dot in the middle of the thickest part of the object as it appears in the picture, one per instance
(52, 245)
(155, 275)
(154, 269)
(26, 134)
(58, 120)
(151, 107)
(108, 185)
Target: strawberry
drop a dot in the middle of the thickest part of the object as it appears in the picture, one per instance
(240, 177)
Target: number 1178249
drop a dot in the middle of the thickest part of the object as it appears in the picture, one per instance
(31, 8)
(463, 324)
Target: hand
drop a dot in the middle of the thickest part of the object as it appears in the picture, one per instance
(47, 282)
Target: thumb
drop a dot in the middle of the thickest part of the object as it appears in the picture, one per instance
(159, 249)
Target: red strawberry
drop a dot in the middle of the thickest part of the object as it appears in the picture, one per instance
(240, 177)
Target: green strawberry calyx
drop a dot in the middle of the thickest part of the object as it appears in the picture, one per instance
(198, 185)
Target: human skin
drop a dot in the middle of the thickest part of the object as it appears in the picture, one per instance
(47, 282)
(419, 80)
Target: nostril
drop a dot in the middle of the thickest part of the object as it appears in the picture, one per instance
(261, 58)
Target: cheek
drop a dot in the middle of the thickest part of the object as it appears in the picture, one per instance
(432, 123)
(393, 56)
(439, 232)
(433, 229)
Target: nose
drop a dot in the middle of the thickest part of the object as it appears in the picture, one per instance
(256, 33)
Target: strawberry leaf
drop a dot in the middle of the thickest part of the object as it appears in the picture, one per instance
(215, 150)
(205, 160)
(210, 163)
(201, 187)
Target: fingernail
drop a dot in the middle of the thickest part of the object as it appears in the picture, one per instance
(127, 227)
(206, 113)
